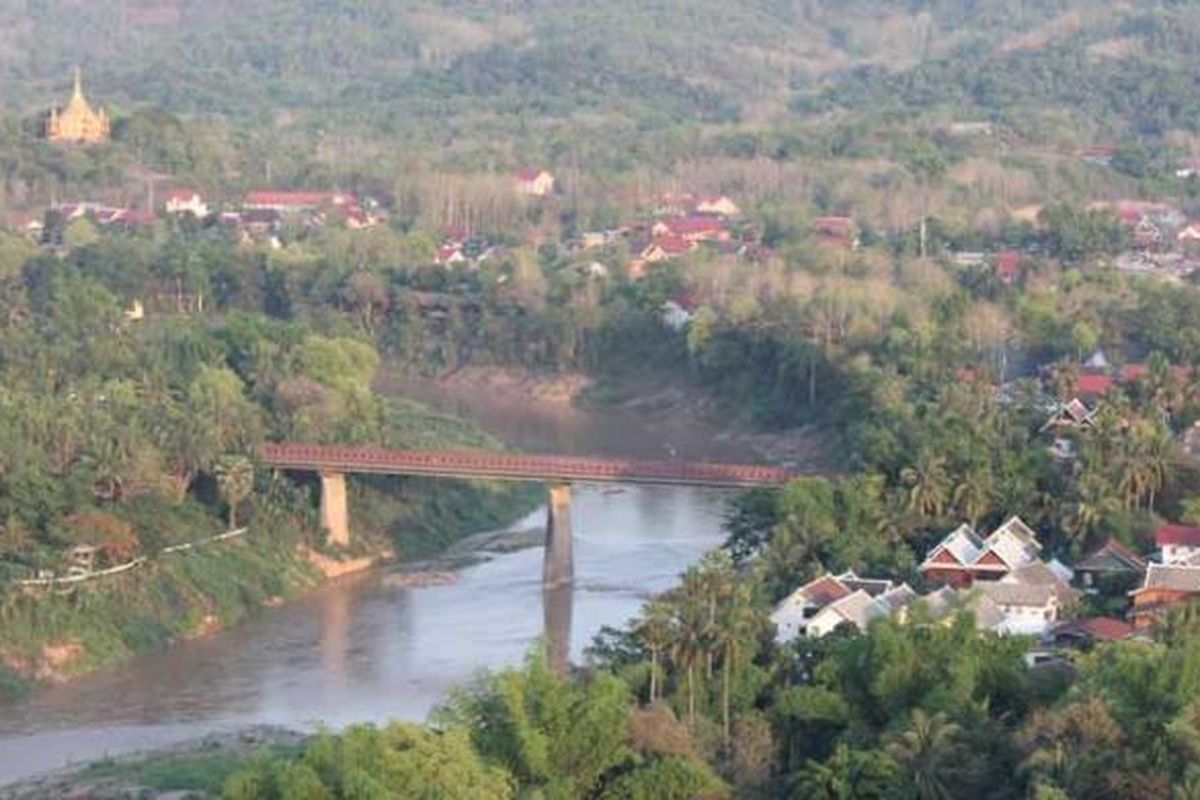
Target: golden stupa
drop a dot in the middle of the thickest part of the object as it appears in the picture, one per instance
(78, 122)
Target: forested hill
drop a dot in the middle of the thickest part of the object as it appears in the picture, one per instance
(406, 60)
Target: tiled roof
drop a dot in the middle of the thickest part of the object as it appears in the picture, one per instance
(1018, 594)
(1185, 535)
(897, 598)
(872, 586)
(962, 543)
(823, 591)
(1104, 629)
(1111, 555)
(1093, 384)
(858, 608)
(1172, 577)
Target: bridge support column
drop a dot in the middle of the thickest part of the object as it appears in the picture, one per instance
(335, 511)
(558, 568)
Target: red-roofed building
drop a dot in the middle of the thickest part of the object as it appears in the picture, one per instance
(1092, 385)
(1087, 632)
(1100, 154)
(293, 202)
(1009, 265)
(693, 229)
(1178, 542)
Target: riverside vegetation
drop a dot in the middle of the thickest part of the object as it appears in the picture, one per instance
(133, 437)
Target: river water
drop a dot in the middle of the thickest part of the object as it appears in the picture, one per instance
(363, 649)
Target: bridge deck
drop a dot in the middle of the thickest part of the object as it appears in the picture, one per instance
(506, 466)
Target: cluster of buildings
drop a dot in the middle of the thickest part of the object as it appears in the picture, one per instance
(1008, 586)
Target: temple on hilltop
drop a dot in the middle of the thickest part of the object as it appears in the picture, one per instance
(78, 122)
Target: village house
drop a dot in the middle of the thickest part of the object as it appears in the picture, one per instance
(287, 202)
(1100, 155)
(1178, 543)
(1188, 168)
(185, 201)
(1029, 609)
(1108, 561)
(1166, 586)
(693, 229)
(1083, 634)
(821, 605)
(658, 249)
(78, 122)
(535, 182)
(962, 558)
(1009, 265)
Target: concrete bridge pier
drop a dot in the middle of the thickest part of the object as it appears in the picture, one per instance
(335, 510)
(558, 566)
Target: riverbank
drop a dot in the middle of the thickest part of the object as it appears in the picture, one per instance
(686, 420)
(196, 768)
(56, 633)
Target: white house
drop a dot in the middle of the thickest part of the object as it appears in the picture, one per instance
(186, 201)
(1178, 543)
(719, 206)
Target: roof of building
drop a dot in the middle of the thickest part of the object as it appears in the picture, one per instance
(962, 543)
(817, 593)
(531, 174)
(670, 245)
(872, 586)
(287, 199)
(1102, 629)
(858, 608)
(1171, 577)
(1018, 594)
(1112, 556)
(897, 598)
(1185, 535)
(1093, 384)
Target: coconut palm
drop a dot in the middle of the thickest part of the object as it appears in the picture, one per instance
(930, 752)
(654, 631)
(928, 484)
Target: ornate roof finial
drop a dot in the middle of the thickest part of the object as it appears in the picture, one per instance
(78, 81)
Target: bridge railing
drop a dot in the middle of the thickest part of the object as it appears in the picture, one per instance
(531, 467)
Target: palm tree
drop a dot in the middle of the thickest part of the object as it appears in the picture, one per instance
(972, 495)
(235, 480)
(930, 751)
(654, 632)
(928, 484)
(735, 628)
(690, 628)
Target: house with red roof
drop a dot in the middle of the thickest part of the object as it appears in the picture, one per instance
(820, 606)
(1085, 633)
(961, 558)
(1009, 265)
(693, 229)
(1178, 543)
(287, 202)
(1101, 155)
(534, 182)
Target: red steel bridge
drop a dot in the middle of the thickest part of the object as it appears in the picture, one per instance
(333, 462)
